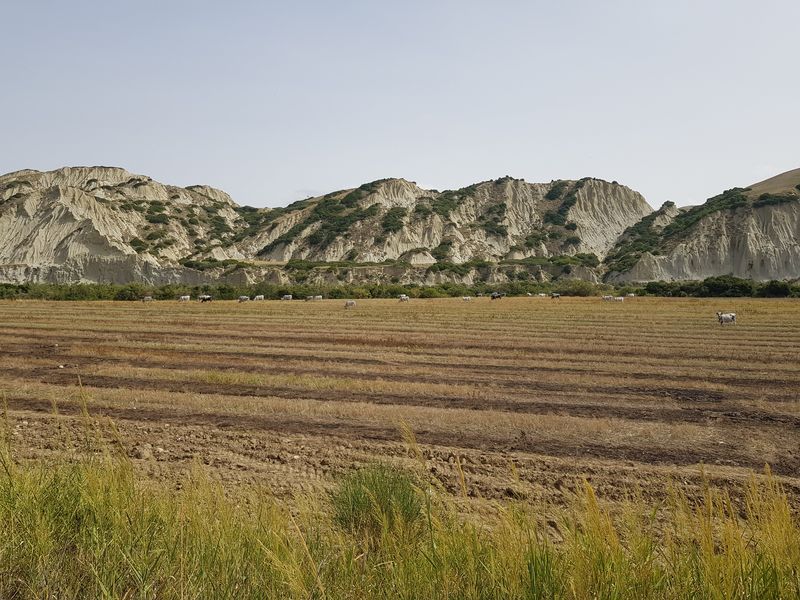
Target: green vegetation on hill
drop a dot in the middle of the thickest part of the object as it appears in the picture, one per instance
(213, 263)
(728, 200)
(636, 240)
(559, 215)
(450, 200)
(335, 217)
(442, 251)
(392, 220)
(490, 220)
(557, 190)
(361, 192)
(254, 220)
(773, 199)
(422, 209)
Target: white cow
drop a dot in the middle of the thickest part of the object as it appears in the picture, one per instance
(244, 298)
(350, 304)
(184, 299)
(317, 297)
(542, 295)
(630, 295)
(257, 298)
(466, 298)
(286, 297)
(619, 298)
(608, 298)
(147, 299)
(725, 318)
(403, 298)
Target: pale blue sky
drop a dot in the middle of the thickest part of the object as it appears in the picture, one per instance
(273, 101)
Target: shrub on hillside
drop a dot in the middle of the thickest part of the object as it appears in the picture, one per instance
(393, 219)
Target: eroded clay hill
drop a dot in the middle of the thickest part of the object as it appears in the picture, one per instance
(751, 232)
(104, 224)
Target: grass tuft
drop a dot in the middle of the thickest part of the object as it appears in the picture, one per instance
(377, 500)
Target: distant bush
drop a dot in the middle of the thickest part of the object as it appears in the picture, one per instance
(157, 218)
(392, 220)
(571, 226)
(445, 204)
(422, 210)
(535, 238)
(212, 263)
(775, 289)
(773, 199)
(556, 190)
(490, 220)
(572, 240)
(727, 285)
(554, 218)
(442, 251)
(457, 269)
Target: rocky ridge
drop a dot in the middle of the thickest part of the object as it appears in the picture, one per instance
(104, 224)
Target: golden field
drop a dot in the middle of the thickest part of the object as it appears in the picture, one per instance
(523, 396)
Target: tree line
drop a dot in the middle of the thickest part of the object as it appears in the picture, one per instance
(722, 286)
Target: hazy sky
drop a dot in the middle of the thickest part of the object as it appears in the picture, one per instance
(274, 101)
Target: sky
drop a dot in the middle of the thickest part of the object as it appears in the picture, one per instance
(276, 101)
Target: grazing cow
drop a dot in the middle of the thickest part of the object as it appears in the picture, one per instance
(619, 298)
(350, 304)
(184, 299)
(466, 298)
(317, 297)
(725, 318)
(286, 297)
(529, 294)
(630, 295)
(309, 298)
(403, 298)
(244, 298)
(497, 295)
(555, 296)
(205, 298)
(608, 298)
(257, 298)
(147, 299)
(542, 295)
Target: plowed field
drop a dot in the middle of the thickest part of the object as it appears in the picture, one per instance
(526, 395)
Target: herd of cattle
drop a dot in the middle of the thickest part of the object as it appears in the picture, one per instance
(724, 318)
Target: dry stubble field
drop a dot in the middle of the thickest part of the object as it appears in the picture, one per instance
(527, 395)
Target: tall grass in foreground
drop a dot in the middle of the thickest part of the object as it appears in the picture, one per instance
(92, 530)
